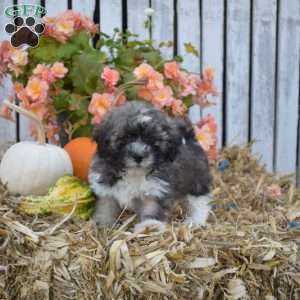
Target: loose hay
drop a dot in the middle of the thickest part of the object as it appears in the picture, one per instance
(249, 249)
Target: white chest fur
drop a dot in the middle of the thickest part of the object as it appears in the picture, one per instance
(134, 184)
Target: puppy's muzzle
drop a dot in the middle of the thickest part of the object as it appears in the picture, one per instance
(138, 151)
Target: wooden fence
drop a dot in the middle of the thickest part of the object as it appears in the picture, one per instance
(254, 46)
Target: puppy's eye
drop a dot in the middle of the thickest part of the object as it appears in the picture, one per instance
(150, 140)
(131, 136)
(120, 143)
(105, 141)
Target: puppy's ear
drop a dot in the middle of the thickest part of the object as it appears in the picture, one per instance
(185, 127)
(101, 135)
(179, 130)
(98, 133)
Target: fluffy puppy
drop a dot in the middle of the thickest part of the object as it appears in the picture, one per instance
(147, 161)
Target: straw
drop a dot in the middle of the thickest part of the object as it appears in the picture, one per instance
(248, 250)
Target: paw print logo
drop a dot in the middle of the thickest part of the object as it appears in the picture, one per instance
(24, 32)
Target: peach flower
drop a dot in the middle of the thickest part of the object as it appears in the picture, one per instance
(73, 16)
(5, 51)
(6, 112)
(65, 26)
(43, 71)
(88, 24)
(21, 93)
(162, 97)
(205, 88)
(145, 93)
(37, 89)
(51, 31)
(19, 57)
(145, 71)
(99, 105)
(11, 59)
(49, 20)
(209, 73)
(178, 108)
(206, 135)
(188, 83)
(80, 22)
(110, 77)
(171, 70)
(59, 70)
(40, 109)
(155, 81)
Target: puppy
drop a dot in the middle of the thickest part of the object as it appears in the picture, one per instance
(147, 161)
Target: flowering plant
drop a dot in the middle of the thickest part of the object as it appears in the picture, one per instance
(70, 83)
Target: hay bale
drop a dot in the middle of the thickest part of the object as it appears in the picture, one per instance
(248, 250)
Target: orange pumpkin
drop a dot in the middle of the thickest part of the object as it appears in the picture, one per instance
(81, 151)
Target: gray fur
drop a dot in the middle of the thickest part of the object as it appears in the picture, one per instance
(154, 159)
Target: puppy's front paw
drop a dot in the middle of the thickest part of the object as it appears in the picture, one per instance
(198, 210)
(192, 222)
(106, 211)
(101, 222)
(150, 225)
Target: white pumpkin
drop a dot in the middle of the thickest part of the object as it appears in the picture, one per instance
(31, 168)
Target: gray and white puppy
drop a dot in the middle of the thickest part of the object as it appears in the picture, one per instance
(147, 161)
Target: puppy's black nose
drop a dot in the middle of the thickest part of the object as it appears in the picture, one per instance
(137, 157)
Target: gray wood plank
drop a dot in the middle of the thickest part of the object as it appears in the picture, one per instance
(4, 20)
(188, 16)
(263, 79)
(237, 71)
(7, 129)
(85, 7)
(188, 26)
(212, 54)
(287, 87)
(56, 7)
(110, 15)
(136, 17)
(163, 24)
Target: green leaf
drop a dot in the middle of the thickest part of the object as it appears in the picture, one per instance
(154, 58)
(126, 35)
(83, 131)
(166, 44)
(81, 39)
(50, 50)
(61, 101)
(188, 101)
(79, 103)
(86, 70)
(189, 48)
(131, 92)
(147, 23)
(178, 58)
(128, 58)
